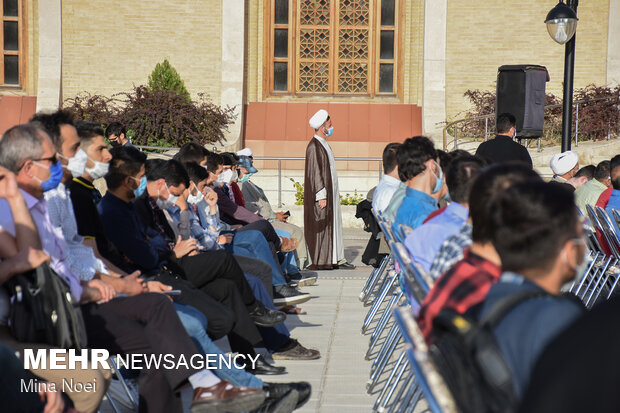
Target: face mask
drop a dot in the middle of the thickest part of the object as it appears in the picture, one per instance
(140, 189)
(166, 203)
(53, 181)
(99, 170)
(446, 197)
(438, 181)
(195, 199)
(330, 132)
(235, 176)
(225, 177)
(244, 178)
(115, 143)
(77, 164)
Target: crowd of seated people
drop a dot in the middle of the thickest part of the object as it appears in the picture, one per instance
(505, 231)
(165, 261)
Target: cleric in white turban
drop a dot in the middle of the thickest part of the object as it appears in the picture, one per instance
(564, 165)
(322, 214)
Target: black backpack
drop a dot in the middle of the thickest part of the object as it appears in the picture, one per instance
(468, 357)
(43, 310)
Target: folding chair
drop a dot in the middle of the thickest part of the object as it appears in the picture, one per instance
(427, 376)
(377, 273)
(596, 257)
(125, 387)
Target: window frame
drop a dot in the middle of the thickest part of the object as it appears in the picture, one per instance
(21, 49)
(374, 29)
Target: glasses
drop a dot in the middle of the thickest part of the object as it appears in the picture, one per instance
(52, 160)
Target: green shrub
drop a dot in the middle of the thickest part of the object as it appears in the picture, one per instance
(351, 199)
(299, 192)
(165, 77)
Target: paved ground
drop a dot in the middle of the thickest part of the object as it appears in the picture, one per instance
(332, 325)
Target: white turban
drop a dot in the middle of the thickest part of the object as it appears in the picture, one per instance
(245, 152)
(564, 162)
(318, 119)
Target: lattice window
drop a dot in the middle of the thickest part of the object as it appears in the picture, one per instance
(12, 41)
(333, 47)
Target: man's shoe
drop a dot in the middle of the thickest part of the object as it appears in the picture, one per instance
(287, 295)
(345, 266)
(303, 388)
(295, 351)
(302, 280)
(263, 367)
(264, 317)
(284, 404)
(224, 397)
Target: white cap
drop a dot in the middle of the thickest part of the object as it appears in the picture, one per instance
(318, 119)
(245, 152)
(564, 162)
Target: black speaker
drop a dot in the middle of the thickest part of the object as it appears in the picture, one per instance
(521, 92)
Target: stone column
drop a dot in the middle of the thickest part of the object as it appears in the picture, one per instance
(434, 84)
(233, 51)
(613, 44)
(50, 55)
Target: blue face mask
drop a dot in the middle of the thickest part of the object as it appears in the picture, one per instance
(56, 174)
(330, 132)
(446, 197)
(244, 178)
(439, 180)
(140, 189)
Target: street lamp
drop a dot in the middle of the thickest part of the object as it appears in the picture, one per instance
(561, 24)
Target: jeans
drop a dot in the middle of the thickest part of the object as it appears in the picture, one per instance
(195, 324)
(252, 244)
(273, 337)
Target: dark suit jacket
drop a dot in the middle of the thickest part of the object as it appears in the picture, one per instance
(503, 149)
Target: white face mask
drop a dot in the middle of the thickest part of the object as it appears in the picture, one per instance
(195, 199)
(166, 203)
(235, 176)
(225, 177)
(77, 164)
(99, 170)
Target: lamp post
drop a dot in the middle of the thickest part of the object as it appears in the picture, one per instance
(561, 24)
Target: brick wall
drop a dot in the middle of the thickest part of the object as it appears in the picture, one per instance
(483, 35)
(110, 45)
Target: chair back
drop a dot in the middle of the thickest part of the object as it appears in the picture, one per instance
(431, 382)
(608, 229)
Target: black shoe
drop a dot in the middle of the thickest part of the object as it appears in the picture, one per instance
(275, 390)
(302, 280)
(287, 295)
(345, 266)
(264, 317)
(284, 404)
(263, 367)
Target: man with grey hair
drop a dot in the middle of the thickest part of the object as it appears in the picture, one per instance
(118, 324)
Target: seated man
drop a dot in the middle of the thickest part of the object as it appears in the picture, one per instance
(256, 201)
(424, 242)
(246, 243)
(121, 325)
(564, 167)
(465, 284)
(192, 152)
(418, 168)
(20, 254)
(614, 198)
(540, 241)
(588, 193)
(390, 181)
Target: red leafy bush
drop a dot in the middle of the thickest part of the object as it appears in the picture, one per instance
(156, 117)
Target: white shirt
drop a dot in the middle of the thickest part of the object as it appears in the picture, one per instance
(384, 192)
(80, 258)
